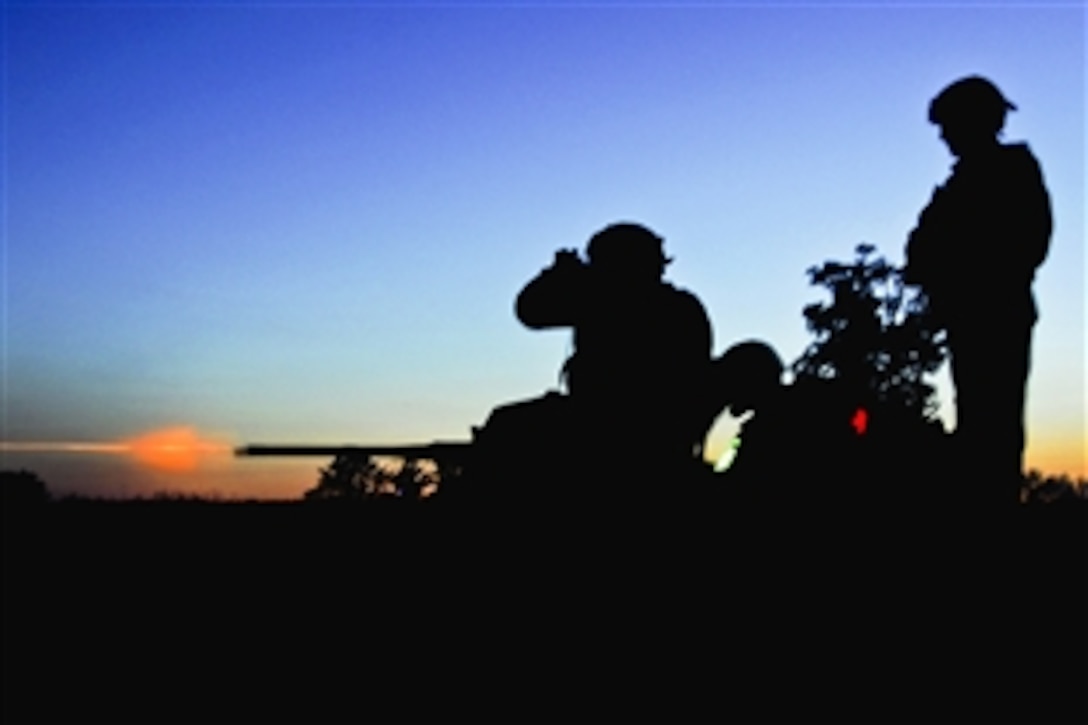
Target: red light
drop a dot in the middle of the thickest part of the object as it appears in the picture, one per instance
(860, 421)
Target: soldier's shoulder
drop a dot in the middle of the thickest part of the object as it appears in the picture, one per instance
(683, 300)
(1019, 148)
(680, 294)
(1020, 155)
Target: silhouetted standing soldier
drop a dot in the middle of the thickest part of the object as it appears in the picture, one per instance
(974, 252)
(641, 346)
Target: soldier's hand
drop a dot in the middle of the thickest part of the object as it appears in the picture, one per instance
(567, 259)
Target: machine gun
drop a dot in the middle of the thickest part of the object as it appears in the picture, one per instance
(443, 453)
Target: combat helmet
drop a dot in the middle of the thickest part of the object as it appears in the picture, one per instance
(973, 101)
(626, 246)
(746, 373)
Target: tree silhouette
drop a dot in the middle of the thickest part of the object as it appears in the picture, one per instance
(357, 478)
(22, 488)
(876, 337)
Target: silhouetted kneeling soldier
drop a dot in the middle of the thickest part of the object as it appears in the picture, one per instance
(974, 252)
(799, 444)
(641, 353)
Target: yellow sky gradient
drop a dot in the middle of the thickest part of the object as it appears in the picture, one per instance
(1058, 454)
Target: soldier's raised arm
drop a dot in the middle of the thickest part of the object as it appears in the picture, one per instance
(553, 298)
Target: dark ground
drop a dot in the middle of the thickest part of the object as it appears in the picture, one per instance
(189, 612)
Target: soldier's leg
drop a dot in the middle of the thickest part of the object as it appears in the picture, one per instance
(963, 481)
(989, 371)
(1011, 372)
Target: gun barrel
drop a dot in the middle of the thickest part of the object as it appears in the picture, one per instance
(444, 450)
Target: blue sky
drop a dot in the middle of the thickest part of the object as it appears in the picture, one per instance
(308, 222)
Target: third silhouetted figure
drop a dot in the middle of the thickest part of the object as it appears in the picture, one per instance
(974, 252)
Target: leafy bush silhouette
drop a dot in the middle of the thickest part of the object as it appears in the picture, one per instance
(876, 337)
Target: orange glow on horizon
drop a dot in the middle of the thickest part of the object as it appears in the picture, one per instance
(173, 449)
